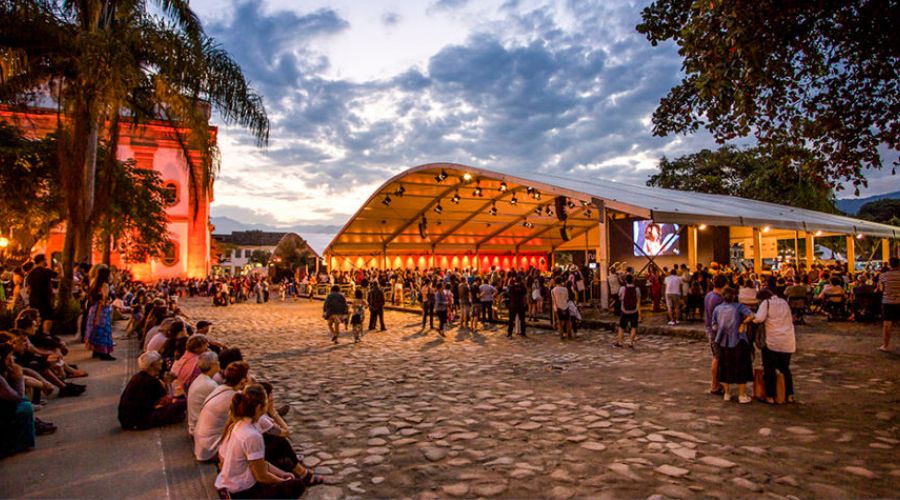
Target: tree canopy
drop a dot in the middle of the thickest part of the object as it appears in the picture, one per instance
(886, 211)
(824, 76)
(775, 175)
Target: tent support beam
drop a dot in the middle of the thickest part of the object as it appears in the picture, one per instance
(692, 237)
(474, 214)
(541, 232)
(757, 251)
(415, 219)
(885, 249)
(603, 256)
(810, 250)
(511, 224)
(851, 255)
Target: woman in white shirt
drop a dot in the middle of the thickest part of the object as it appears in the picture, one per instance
(780, 342)
(245, 472)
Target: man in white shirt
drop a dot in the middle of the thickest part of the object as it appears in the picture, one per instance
(673, 284)
(486, 294)
(213, 414)
(201, 387)
(560, 298)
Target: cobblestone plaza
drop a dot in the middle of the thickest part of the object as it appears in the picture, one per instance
(409, 414)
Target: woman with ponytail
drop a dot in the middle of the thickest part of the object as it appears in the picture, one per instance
(245, 472)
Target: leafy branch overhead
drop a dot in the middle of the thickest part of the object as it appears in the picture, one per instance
(823, 76)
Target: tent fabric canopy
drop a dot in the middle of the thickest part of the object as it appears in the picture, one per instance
(459, 209)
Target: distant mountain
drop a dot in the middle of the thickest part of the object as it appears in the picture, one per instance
(317, 235)
(851, 206)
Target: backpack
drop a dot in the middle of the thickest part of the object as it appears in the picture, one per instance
(630, 302)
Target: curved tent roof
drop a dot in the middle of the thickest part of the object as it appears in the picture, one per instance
(464, 208)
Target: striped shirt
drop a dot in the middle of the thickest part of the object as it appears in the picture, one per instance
(889, 282)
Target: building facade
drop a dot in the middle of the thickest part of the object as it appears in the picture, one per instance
(153, 146)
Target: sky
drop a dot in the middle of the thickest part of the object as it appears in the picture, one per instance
(359, 91)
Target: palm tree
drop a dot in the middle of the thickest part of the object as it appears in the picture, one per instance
(102, 61)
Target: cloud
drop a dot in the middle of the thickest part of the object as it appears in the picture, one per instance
(390, 19)
(449, 4)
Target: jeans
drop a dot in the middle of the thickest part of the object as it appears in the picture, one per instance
(512, 321)
(780, 361)
(428, 314)
(377, 314)
(487, 311)
(442, 319)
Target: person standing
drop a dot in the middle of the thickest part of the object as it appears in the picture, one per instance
(780, 342)
(335, 311)
(98, 337)
(889, 285)
(560, 299)
(39, 283)
(673, 284)
(518, 304)
(710, 302)
(376, 302)
(486, 298)
(358, 313)
(465, 304)
(735, 349)
(443, 302)
(427, 293)
(630, 301)
(655, 287)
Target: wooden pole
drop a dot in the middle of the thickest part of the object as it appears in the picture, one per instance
(692, 247)
(603, 257)
(810, 250)
(757, 251)
(851, 254)
(885, 249)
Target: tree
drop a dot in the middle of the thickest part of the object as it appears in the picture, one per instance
(102, 58)
(823, 75)
(31, 199)
(777, 175)
(886, 211)
(291, 253)
(260, 257)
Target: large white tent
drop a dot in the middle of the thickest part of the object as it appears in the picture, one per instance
(452, 215)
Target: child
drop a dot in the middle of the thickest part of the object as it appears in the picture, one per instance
(357, 311)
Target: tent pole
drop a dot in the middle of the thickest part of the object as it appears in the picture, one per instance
(810, 250)
(885, 249)
(692, 247)
(757, 252)
(796, 248)
(603, 257)
(851, 255)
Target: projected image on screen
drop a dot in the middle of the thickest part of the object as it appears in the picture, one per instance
(655, 239)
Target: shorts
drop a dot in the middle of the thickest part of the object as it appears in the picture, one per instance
(562, 314)
(673, 300)
(714, 348)
(628, 321)
(890, 312)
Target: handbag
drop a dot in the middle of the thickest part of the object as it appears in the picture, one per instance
(759, 384)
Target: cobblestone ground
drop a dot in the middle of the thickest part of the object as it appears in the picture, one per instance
(407, 414)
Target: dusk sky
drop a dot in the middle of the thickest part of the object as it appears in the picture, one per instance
(359, 91)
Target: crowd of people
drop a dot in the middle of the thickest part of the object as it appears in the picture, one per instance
(186, 375)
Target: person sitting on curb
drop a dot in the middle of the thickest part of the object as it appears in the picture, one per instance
(145, 402)
(202, 386)
(214, 413)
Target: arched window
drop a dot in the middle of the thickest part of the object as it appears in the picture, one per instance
(170, 254)
(170, 193)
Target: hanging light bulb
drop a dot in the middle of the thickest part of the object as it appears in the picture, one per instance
(503, 187)
(513, 200)
(467, 177)
(455, 198)
(537, 194)
(477, 192)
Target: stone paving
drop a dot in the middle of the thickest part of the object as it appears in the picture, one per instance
(408, 414)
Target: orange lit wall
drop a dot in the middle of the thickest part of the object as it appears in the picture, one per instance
(425, 261)
(153, 146)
